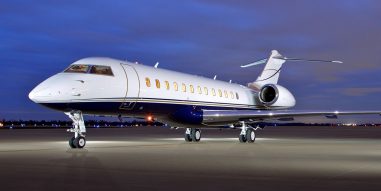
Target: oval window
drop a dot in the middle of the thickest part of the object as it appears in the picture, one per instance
(157, 83)
(148, 82)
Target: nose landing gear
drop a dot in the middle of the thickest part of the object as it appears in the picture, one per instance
(79, 130)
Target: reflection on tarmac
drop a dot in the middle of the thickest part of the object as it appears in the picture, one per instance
(159, 159)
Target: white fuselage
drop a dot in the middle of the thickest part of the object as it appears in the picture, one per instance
(135, 90)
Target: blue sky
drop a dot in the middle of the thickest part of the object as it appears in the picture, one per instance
(40, 38)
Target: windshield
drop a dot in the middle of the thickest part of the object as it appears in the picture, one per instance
(90, 69)
(104, 70)
(77, 69)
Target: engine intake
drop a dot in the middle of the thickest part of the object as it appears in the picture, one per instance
(275, 96)
(269, 94)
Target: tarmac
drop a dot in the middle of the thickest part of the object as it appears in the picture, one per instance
(157, 158)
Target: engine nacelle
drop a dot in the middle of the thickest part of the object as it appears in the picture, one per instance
(273, 95)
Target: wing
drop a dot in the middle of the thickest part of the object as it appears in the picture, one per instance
(233, 116)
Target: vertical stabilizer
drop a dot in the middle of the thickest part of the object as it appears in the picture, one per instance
(270, 73)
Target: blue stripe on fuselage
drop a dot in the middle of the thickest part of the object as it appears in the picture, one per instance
(186, 114)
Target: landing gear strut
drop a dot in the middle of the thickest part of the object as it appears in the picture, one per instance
(192, 134)
(79, 130)
(247, 134)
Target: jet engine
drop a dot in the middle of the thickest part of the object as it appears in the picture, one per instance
(273, 95)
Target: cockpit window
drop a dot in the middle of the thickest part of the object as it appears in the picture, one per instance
(77, 69)
(91, 69)
(104, 70)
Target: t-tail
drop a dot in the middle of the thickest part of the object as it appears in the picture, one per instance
(273, 67)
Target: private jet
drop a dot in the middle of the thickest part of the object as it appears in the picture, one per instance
(109, 87)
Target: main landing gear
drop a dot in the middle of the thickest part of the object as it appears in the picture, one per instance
(79, 130)
(192, 134)
(247, 134)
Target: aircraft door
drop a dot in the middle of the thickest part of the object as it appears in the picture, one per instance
(133, 88)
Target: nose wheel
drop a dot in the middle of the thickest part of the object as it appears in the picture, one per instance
(71, 143)
(192, 134)
(78, 142)
(79, 129)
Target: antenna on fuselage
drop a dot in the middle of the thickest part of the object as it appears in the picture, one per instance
(230, 81)
(156, 65)
(215, 77)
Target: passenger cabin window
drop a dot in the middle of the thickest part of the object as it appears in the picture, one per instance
(191, 88)
(206, 90)
(157, 83)
(213, 92)
(199, 90)
(175, 86)
(148, 82)
(166, 85)
(236, 95)
(79, 68)
(231, 95)
(183, 87)
(226, 94)
(219, 92)
(102, 70)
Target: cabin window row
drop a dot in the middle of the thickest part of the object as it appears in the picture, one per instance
(193, 89)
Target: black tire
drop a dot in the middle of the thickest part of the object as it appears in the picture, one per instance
(242, 138)
(188, 137)
(80, 142)
(71, 143)
(250, 135)
(196, 135)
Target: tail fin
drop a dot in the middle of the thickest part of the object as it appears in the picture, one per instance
(270, 74)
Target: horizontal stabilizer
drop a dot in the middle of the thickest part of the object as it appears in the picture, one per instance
(263, 61)
(273, 67)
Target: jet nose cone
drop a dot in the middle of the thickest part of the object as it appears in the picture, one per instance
(33, 95)
(39, 93)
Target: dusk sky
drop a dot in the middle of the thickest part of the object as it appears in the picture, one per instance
(41, 38)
